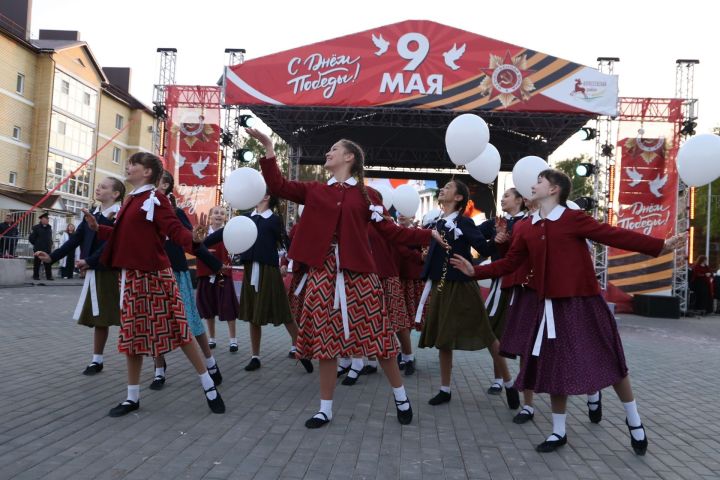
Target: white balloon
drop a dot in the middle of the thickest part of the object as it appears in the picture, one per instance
(406, 200)
(239, 234)
(698, 161)
(431, 216)
(465, 138)
(486, 166)
(300, 210)
(572, 205)
(387, 194)
(244, 188)
(525, 174)
(486, 282)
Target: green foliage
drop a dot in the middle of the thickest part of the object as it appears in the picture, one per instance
(581, 186)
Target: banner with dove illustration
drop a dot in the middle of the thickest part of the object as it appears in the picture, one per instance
(647, 199)
(420, 64)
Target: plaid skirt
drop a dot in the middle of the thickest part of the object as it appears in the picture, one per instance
(321, 334)
(296, 301)
(412, 293)
(152, 318)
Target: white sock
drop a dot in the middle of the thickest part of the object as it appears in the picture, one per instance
(498, 381)
(356, 364)
(373, 363)
(509, 383)
(293, 348)
(344, 363)
(633, 418)
(210, 362)
(445, 388)
(326, 408)
(134, 393)
(211, 340)
(558, 425)
(407, 358)
(233, 340)
(207, 382)
(529, 408)
(593, 397)
(160, 372)
(400, 396)
(97, 359)
(255, 356)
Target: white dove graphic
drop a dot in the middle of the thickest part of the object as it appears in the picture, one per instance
(452, 55)
(199, 166)
(634, 175)
(657, 184)
(380, 43)
(179, 158)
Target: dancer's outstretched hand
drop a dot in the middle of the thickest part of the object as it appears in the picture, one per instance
(673, 243)
(462, 264)
(90, 220)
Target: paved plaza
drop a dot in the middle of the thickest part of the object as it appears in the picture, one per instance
(54, 423)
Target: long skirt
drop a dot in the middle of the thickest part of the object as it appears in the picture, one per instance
(496, 305)
(523, 308)
(152, 318)
(412, 293)
(456, 318)
(321, 333)
(586, 355)
(108, 300)
(296, 301)
(395, 304)
(188, 297)
(217, 298)
(270, 304)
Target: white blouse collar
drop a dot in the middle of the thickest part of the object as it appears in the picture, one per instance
(352, 181)
(554, 214)
(266, 214)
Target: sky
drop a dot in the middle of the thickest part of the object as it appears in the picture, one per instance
(647, 36)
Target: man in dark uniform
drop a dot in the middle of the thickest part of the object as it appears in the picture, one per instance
(42, 240)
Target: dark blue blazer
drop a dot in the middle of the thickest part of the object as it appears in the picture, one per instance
(487, 228)
(437, 255)
(265, 249)
(91, 246)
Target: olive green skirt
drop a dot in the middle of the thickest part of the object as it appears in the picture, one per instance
(270, 304)
(497, 307)
(108, 298)
(456, 318)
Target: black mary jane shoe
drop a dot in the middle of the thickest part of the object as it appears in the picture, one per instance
(552, 445)
(513, 398)
(639, 446)
(495, 389)
(404, 416)
(124, 408)
(254, 364)
(523, 416)
(368, 370)
(212, 345)
(409, 368)
(291, 354)
(315, 422)
(349, 381)
(93, 368)
(215, 374)
(217, 405)
(342, 371)
(158, 382)
(595, 416)
(307, 364)
(233, 348)
(401, 364)
(440, 398)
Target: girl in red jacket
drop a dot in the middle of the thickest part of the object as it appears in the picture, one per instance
(577, 348)
(152, 314)
(343, 314)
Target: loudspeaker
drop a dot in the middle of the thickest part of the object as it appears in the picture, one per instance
(659, 306)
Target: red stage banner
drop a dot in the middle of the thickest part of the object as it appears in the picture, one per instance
(647, 202)
(193, 148)
(421, 64)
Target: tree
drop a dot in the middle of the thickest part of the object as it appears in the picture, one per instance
(581, 186)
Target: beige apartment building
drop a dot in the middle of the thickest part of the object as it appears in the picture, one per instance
(58, 106)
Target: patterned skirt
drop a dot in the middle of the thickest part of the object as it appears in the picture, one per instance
(108, 301)
(586, 355)
(152, 318)
(456, 318)
(270, 304)
(321, 333)
(412, 292)
(517, 337)
(188, 297)
(217, 299)
(395, 304)
(296, 301)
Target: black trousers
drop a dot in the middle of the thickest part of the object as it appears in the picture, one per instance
(36, 269)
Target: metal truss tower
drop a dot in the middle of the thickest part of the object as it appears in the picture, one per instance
(168, 61)
(230, 138)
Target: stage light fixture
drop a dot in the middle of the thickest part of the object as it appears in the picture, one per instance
(160, 111)
(243, 155)
(590, 133)
(226, 138)
(584, 169)
(688, 127)
(586, 203)
(607, 150)
(246, 121)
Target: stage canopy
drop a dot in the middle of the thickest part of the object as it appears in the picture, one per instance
(395, 88)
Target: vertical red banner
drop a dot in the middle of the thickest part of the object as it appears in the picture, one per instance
(647, 202)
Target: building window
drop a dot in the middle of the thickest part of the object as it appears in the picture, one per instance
(61, 127)
(119, 121)
(20, 85)
(65, 87)
(16, 132)
(12, 179)
(60, 167)
(116, 155)
(86, 98)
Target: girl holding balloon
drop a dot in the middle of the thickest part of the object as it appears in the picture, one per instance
(343, 314)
